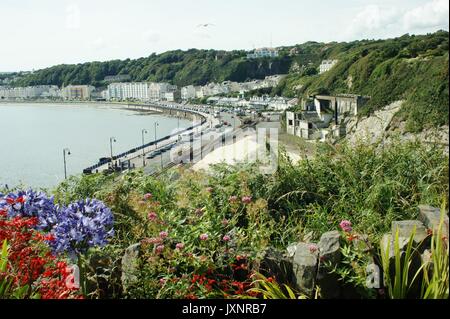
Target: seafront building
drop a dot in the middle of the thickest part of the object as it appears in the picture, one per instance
(77, 92)
(30, 92)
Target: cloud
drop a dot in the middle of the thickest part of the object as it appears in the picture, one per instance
(380, 21)
(429, 15)
(151, 36)
(98, 44)
(372, 19)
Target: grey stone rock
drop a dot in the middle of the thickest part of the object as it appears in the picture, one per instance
(291, 250)
(130, 265)
(305, 264)
(405, 229)
(431, 218)
(274, 264)
(329, 247)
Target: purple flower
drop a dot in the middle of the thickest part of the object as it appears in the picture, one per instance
(204, 237)
(346, 226)
(313, 248)
(179, 246)
(226, 238)
(31, 204)
(82, 225)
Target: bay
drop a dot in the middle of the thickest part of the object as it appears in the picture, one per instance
(33, 136)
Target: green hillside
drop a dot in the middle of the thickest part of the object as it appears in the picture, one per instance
(177, 67)
(412, 68)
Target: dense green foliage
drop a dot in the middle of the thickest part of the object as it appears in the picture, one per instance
(177, 67)
(370, 187)
(411, 68)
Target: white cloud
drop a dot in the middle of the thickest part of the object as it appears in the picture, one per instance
(431, 14)
(98, 44)
(371, 19)
(151, 36)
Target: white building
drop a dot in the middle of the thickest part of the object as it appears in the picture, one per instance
(77, 92)
(263, 53)
(29, 92)
(125, 91)
(188, 92)
(326, 65)
(157, 91)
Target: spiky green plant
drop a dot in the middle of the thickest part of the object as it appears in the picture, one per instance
(436, 270)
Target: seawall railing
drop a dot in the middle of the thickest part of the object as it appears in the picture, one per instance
(105, 161)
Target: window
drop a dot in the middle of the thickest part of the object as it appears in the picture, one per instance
(290, 122)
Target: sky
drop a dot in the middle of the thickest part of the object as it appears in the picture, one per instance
(40, 33)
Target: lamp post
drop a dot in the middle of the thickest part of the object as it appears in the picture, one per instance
(156, 125)
(111, 140)
(144, 131)
(65, 165)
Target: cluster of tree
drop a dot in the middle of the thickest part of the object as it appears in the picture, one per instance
(181, 68)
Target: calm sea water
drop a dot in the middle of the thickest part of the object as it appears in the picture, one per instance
(33, 136)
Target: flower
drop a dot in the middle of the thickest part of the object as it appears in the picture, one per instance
(162, 281)
(209, 189)
(233, 199)
(83, 224)
(179, 246)
(346, 226)
(152, 216)
(312, 248)
(148, 196)
(204, 237)
(159, 249)
(246, 199)
(163, 234)
(225, 222)
(226, 238)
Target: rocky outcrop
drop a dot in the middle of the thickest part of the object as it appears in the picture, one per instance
(130, 266)
(372, 129)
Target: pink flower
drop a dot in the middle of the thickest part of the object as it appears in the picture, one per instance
(148, 196)
(226, 238)
(312, 248)
(154, 241)
(247, 199)
(209, 189)
(204, 237)
(233, 199)
(163, 234)
(152, 216)
(346, 226)
(159, 249)
(225, 222)
(162, 281)
(179, 246)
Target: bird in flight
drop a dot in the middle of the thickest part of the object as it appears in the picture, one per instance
(205, 25)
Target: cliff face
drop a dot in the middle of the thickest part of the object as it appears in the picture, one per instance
(384, 126)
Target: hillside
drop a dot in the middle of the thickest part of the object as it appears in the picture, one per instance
(411, 68)
(196, 67)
